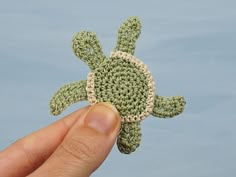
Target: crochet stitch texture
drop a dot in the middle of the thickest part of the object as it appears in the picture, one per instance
(122, 80)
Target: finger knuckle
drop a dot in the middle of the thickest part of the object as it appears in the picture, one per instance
(80, 149)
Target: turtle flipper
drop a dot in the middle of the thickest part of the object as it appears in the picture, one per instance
(129, 137)
(88, 48)
(67, 95)
(128, 34)
(167, 107)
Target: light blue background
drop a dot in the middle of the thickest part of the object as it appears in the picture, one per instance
(189, 47)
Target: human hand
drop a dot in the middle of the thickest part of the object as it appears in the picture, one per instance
(75, 145)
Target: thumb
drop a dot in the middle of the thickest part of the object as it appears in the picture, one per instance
(86, 145)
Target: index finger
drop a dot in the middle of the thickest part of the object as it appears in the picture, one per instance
(28, 153)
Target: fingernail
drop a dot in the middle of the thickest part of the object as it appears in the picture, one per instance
(103, 117)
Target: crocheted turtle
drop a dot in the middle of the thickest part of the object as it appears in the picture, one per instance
(122, 80)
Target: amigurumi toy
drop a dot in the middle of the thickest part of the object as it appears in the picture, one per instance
(122, 80)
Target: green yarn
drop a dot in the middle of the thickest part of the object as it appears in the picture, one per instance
(129, 138)
(122, 84)
(128, 34)
(87, 47)
(67, 95)
(167, 107)
(122, 80)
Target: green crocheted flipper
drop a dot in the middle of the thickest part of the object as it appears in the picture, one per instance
(122, 80)
(67, 95)
(130, 137)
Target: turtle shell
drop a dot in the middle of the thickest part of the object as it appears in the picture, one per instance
(125, 82)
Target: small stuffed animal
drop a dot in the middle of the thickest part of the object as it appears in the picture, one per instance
(122, 80)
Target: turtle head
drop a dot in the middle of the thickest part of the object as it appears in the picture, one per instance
(87, 47)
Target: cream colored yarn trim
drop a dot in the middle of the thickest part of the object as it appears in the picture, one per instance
(90, 89)
(151, 91)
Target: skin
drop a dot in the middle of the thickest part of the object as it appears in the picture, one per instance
(75, 145)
